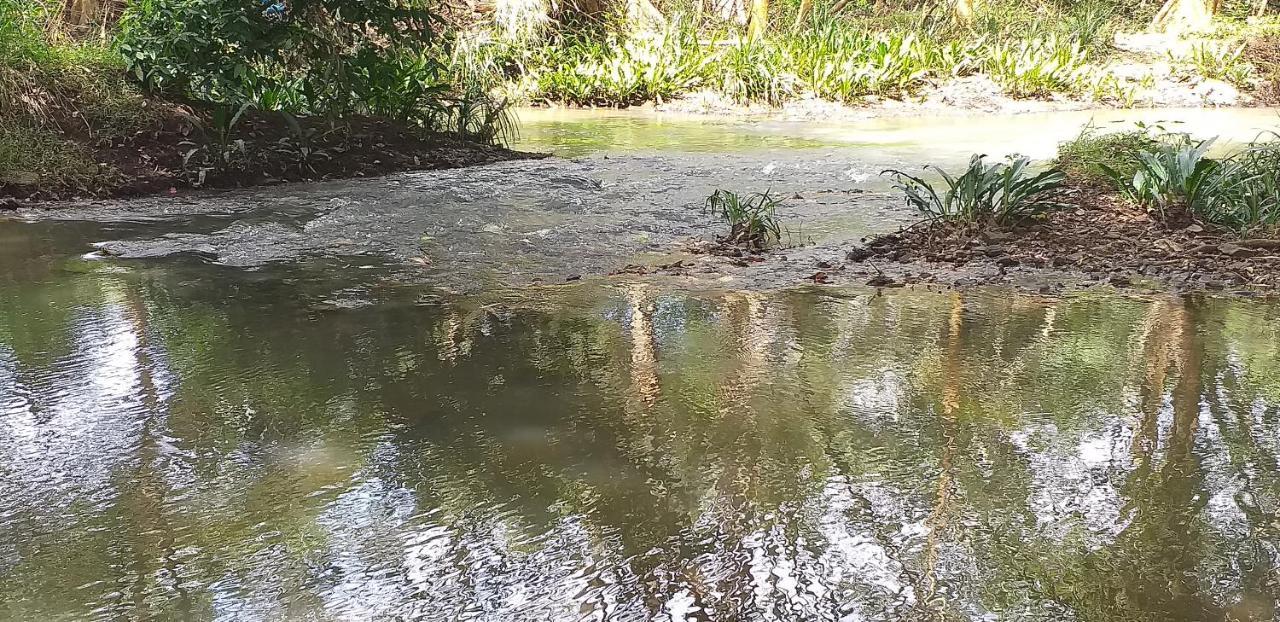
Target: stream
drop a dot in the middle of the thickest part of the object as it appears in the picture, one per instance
(419, 398)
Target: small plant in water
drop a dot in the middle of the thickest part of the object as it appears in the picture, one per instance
(752, 219)
(1000, 192)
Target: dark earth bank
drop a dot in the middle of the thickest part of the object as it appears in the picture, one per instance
(182, 150)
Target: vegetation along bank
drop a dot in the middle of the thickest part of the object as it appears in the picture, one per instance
(120, 97)
(109, 98)
(736, 55)
(1144, 206)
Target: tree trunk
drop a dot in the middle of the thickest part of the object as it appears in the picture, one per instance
(759, 19)
(1185, 15)
(805, 7)
(1260, 8)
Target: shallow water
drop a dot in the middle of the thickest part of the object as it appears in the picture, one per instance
(337, 436)
(943, 140)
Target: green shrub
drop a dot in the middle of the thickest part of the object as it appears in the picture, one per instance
(1000, 192)
(1171, 178)
(1176, 181)
(752, 220)
(384, 58)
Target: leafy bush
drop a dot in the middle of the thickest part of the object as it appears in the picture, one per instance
(1000, 192)
(1178, 180)
(752, 219)
(1171, 178)
(317, 57)
(323, 56)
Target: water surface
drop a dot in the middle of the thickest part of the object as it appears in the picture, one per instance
(334, 436)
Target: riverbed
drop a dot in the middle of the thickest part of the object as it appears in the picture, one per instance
(420, 398)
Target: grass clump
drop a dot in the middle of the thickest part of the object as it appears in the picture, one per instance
(1087, 157)
(1037, 67)
(752, 219)
(1000, 192)
(1170, 177)
(620, 69)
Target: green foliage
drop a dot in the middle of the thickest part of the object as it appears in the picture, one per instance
(337, 58)
(1174, 177)
(1037, 66)
(1249, 192)
(752, 219)
(50, 87)
(325, 56)
(620, 69)
(1171, 177)
(1000, 192)
(843, 65)
(1092, 22)
(30, 154)
(753, 71)
(43, 81)
(1086, 156)
(1217, 61)
(828, 58)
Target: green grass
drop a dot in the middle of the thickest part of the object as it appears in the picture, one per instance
(1216, 60)
(53, 88)
(1037, 67)
(1177, 180)
(752, 219)
(1087, 156)
(49, 79)
(831, 60)
(1001, 192)
(31, 155)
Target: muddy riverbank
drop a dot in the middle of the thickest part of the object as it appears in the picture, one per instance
(626, 205)
(178, 151)
(1096, 235)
